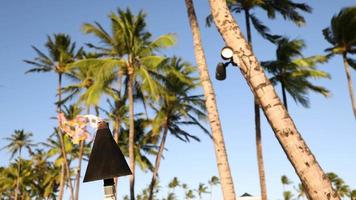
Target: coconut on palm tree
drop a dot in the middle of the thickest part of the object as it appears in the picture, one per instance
(297, 151)
(293, 71)
(61, 52)
(341, 34)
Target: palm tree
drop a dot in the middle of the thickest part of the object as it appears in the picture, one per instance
(55, 150)
(177, 107)
(189, 194)
(212, 182)
(292, 70)
(8, 177)
(84, 78)
(287, 194)
(18, 140)
(339, 185)
(145, 144)
(202, 189)
(61, 52)
(289, 10)
(210, 103)
(131, 40)
(352, 194)
(301, 191)
(285, 181)
(341, 34)
(174, 184)
(300, 156)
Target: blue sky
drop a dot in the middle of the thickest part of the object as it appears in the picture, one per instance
(327, 126)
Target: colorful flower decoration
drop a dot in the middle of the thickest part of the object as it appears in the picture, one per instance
(76, 128)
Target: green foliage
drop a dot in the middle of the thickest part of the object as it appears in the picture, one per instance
(339, 185)
(288, 9)
(18, 140)
(60, 52)
(294, 71)
(177, 107)
(145, 144)
(39, 178)
(341, 34)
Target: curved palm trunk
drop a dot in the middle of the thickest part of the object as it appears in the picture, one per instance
(65, 165)
(77, 178)
(306, 166)
(261, 168)
(131, 137)
(158, 160)
(349, 82)
(210, 103)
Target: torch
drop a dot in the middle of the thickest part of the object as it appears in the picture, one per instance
(106, 161)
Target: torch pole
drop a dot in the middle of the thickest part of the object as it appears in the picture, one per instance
(109, 189)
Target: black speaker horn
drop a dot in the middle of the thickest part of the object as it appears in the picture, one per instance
(106, 160)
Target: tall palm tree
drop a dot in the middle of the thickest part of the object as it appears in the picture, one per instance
(210, 103)
(61, 52)
(132, 50)
(177, 107)
(293, 71)
(341, 34)
(19, 140)
(54, 150)
(300, 156)
(288, 10)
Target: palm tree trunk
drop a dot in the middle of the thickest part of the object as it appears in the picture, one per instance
(116, 138)
(260, 163)
(284, 95)
(77, 178)
(261, 169)
(297, 151)
(210, 103)
(349, 81)
(64, 155)
(158, 160)
(131, 136)
(17, 190)
(118, 117)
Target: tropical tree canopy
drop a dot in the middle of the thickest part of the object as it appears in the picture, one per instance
(294, 71)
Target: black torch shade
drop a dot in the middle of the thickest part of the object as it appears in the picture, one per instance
(106, 159)
(220, 73)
